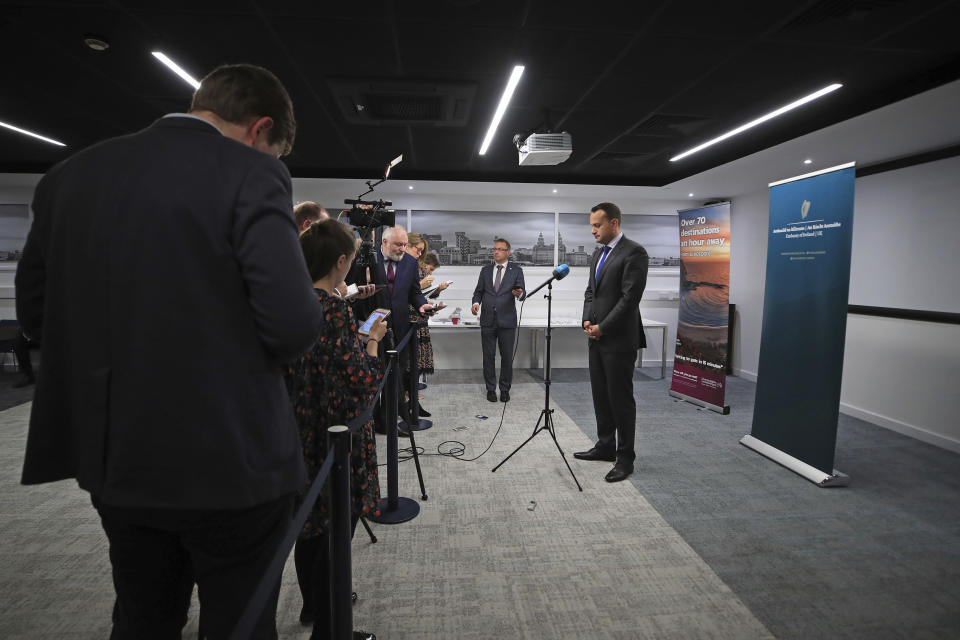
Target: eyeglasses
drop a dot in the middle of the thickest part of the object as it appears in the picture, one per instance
(500, 249)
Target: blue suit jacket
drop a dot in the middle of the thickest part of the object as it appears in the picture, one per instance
(498, 308)
(406, 291)
(613, 300)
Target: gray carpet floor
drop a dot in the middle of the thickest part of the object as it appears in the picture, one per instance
(707, 540)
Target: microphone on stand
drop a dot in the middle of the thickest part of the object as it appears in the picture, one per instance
(558, 274)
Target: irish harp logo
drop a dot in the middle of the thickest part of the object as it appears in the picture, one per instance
(804, 209)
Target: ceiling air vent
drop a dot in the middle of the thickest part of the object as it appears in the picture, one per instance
(622, 158)
(839, 10)
(668, 125)
(399, 102)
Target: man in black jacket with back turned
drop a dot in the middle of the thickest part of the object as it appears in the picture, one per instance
(163, 276)
(611, 320)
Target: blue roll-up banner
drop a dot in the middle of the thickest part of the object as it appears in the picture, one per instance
(804, 323)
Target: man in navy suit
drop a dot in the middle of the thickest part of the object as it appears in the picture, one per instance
(611, 320)
(397, 272)
(163, 276)
(494, 298)
(402, 277)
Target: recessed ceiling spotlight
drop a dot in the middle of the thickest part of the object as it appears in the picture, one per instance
(773, 114)
(97, 43)
(173, 66)
(807, 161)
(554, 190)
(410, 187)
(31, 133)
(689, 195)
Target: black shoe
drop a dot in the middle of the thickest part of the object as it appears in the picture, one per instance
(423, 413)
(596, 454)
(354, 597)
(363, 635)
(492, 396)
(306, 617)
(24, 382)
(619, 472)
(504, 396)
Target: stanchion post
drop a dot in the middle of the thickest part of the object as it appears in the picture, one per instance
(416, 422)
(394, 509)
(341, 578)
(393, 486)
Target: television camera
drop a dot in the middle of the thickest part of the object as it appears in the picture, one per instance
(368, 215)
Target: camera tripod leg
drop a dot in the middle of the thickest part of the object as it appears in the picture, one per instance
(366, 525)
(537, 429)
(553, 434)
(416, 461)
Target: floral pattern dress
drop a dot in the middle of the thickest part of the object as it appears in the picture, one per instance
(329, 385)
(424, 345)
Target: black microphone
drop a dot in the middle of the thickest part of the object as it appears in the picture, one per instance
(558, 274)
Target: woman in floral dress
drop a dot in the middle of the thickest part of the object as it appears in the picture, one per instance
(331, 385)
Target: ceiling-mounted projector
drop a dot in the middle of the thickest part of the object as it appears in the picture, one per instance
(543, 148)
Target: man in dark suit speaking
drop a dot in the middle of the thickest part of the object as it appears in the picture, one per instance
(163, 276)
(499, 285)
(611, 320)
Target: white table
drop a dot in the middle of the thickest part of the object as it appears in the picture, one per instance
(538, 327)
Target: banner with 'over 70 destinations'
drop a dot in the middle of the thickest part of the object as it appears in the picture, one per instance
(700, 358)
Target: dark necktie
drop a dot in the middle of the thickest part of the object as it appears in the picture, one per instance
(606, 250)
(391, 276)
(496, 282)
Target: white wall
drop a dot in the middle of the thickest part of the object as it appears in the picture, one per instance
(900, 374)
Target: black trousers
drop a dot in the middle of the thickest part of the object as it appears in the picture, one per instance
(312, 560)
(611, 380)
(490, 339)
(158, 554)
(21, 348)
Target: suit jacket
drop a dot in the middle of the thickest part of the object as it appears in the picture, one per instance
(163, 274)
(613, 301)
(498, 308)
(406, 292)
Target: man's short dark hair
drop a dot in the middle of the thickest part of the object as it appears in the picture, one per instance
(611, 210)
(239, 93)
(504, 241)
(430, 259)
(306, 211)
(323, 244)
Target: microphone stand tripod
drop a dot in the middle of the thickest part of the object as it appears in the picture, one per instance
(545, 422)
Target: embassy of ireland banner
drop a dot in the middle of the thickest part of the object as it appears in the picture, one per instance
(804, 323)
(700, 357)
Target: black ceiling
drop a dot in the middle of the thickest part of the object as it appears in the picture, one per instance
(633, 82)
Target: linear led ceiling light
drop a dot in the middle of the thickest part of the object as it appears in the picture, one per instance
(773, 114)
(502, 107)
(173, 66)
(31, 133)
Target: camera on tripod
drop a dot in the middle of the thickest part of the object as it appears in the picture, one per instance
(365, 216)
